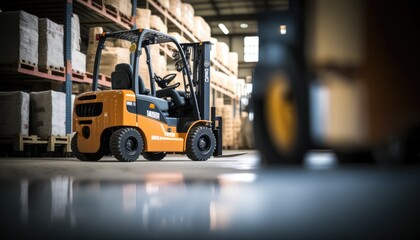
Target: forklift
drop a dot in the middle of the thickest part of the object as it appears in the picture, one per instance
(130, 120)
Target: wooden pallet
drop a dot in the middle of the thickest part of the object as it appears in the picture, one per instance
(51, 141)
(57, 71)
(21, 64)
(78, 74)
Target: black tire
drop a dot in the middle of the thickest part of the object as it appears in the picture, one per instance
(290, 76)
(126, 144)
(154, 156)
(88, 157)
(200, 143)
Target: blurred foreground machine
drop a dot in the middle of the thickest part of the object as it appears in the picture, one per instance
(340, 75)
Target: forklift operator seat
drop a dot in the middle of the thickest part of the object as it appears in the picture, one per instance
(122, 78)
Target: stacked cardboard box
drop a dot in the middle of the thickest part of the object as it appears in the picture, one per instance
(227, 126)
(156, 23)
(233, 62)
(14, 117)
(237, 135)
(48, 113)
(164, 3)
(111, 57)
(222, 51)
(175, 8)
(213, 52)
(143, 18)
(50, 48)
(19, 39)
(115, 52)
(201, 29)
(123, 6)
(187, 15)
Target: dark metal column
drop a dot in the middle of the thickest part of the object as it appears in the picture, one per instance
(204, 80)
(67, 61)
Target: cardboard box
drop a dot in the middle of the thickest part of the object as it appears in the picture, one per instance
(14, 117)
(19, 40)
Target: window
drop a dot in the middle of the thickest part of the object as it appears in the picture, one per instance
(251, 49)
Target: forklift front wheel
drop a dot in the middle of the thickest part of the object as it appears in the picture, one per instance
(200, 143)
(126, 144)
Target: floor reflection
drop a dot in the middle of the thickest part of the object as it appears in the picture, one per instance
(274, 203)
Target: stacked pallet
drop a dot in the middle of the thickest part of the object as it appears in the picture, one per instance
(233, 62)
(157, 24)
(114, 53)
(48, 113)
(50, 48)
(14, 117)
(228, 126)
(123, 6)
(143, 18)
(78, 59)
(187, 13)
(222, 53)
(164, 3)
(213, 51)
(19, 41)
(201, 29)
(175, 7)
(237, 135)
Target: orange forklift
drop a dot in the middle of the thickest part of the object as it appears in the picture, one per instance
(130, 119)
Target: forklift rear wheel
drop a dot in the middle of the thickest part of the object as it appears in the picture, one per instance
(200, 143)
(90, 157)
(154, 156)
(126, 144)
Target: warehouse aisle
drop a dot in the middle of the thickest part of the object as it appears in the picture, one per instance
(221, 198)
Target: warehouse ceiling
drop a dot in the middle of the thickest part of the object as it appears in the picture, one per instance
(233, 13)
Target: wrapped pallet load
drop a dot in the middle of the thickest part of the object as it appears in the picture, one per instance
(213, 52)
(187, 13)
(222, 51)
(75, 33)
(78, 61)
(14, 117)
(233, 62)
(50, 48)
(201, 29)
(164, 3)
(111, 57)
(48, 113)
(227, 126)
(19, 39)
(175, 8)
(123, 6)
(143, 18)
(156, 23)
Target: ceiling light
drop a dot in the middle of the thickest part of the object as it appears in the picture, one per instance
(223, 28)
(244, 25)
(283, 29)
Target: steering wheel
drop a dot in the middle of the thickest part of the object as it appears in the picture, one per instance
(163, 82)
(173, 86)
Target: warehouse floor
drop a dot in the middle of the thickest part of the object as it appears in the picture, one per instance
(221, 198)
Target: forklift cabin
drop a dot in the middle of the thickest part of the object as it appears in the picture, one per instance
(130, 120)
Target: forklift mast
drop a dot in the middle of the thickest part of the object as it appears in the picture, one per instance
(200, 53)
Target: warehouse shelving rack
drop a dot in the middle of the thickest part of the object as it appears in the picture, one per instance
(92, 13)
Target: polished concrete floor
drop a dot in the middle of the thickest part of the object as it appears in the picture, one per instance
(223, 198)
